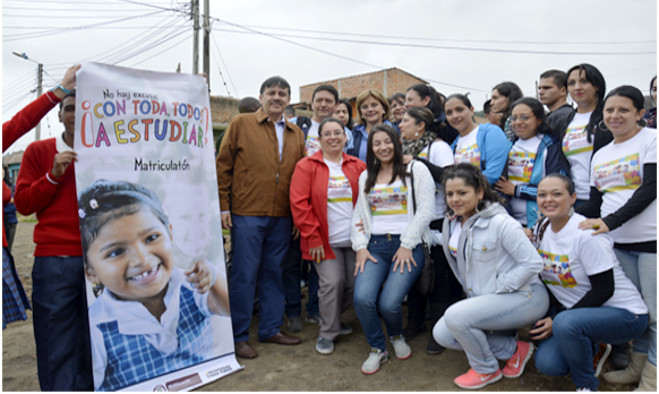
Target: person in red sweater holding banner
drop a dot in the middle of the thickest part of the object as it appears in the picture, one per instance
(14, 299)
(46, 186)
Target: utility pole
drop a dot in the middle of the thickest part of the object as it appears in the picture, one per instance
(195, 36)
(37, 130)
(207, 43)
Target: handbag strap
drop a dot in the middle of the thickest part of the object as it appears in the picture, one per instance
(412, 181)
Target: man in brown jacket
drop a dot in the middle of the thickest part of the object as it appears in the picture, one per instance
(254, 167)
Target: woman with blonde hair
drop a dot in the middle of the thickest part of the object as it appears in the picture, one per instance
(372, 109)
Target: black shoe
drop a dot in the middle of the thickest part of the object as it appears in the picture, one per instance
(413, 330)
(434, 348)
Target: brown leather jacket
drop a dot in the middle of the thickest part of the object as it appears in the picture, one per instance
(252, 181)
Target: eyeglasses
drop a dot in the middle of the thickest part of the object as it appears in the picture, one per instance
(523, 118)
(332, 134)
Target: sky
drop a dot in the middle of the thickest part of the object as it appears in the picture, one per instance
(459, 46)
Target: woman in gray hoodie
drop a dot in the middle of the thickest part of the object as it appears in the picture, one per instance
(498, 268)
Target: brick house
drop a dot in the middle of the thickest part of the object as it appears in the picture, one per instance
(388, 81)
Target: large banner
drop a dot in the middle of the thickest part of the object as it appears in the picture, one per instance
(151, 231)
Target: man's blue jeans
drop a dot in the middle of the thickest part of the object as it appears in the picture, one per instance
(575, 331)
(380, 289)
(260, 244)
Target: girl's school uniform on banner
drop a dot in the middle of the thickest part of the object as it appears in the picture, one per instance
(150, 226)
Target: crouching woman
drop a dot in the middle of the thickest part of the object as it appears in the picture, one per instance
(498, 268)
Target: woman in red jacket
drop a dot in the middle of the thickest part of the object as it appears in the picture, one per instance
(324, 189)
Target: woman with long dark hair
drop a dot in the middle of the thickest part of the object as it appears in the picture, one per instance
(535, 153)
(596, 302)
(581, 134)
(426, 96)
(395, 206)
(419, 143)
(497, 267)
(623, 203)
(503, 97)
(483, 145)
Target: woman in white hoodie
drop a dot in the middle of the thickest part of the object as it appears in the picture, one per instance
(395, 206)
(497, 266)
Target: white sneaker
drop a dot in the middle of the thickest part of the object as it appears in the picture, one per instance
(375, 358)
(401, 348)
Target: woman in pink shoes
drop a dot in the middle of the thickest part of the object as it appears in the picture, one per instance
(497, 266)
(599, 303)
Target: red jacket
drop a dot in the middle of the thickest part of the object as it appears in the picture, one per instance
(56, 205)
(309, 199)
(24, 121)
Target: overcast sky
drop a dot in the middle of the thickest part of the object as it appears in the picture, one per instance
(456, 45)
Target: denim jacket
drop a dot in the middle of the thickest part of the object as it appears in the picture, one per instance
(494, 254)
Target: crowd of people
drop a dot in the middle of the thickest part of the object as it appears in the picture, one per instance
(541, 218)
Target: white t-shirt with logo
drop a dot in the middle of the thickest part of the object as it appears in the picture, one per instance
(313, 142)
(617, 173)
(571, 255)
(521, 160)
(466, 149)
(441, 155)
(389, 207)
(339, 206)
(454, 238)
(577, 151)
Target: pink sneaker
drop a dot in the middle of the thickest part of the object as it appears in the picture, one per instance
(474, 380)
(515, 365)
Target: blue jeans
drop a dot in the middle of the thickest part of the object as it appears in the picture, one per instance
(641, 269)
(484, 326)
(61, 326)
(260, 244)
(369, 300)
(575, 331)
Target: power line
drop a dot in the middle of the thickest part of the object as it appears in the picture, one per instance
(217, 47)
(353, 34)
(15, 37)
(172, 46)
(444, 47)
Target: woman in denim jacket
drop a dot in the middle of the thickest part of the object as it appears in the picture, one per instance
(497, 266)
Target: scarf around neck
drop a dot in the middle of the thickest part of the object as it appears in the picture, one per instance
(414, 147)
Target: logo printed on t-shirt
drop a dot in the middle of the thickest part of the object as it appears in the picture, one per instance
(454, 251)
(557, 265)
(338, 189)
(388, 200)
(520, 166)
(313, 145)
(469, 154)
(576, 141)
(620, 174)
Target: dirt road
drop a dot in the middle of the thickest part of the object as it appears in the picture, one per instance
(288, 368)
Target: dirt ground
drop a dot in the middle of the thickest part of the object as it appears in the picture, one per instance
(288, 368)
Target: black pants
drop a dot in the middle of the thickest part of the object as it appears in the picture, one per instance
(61, 328)
(446, 291)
